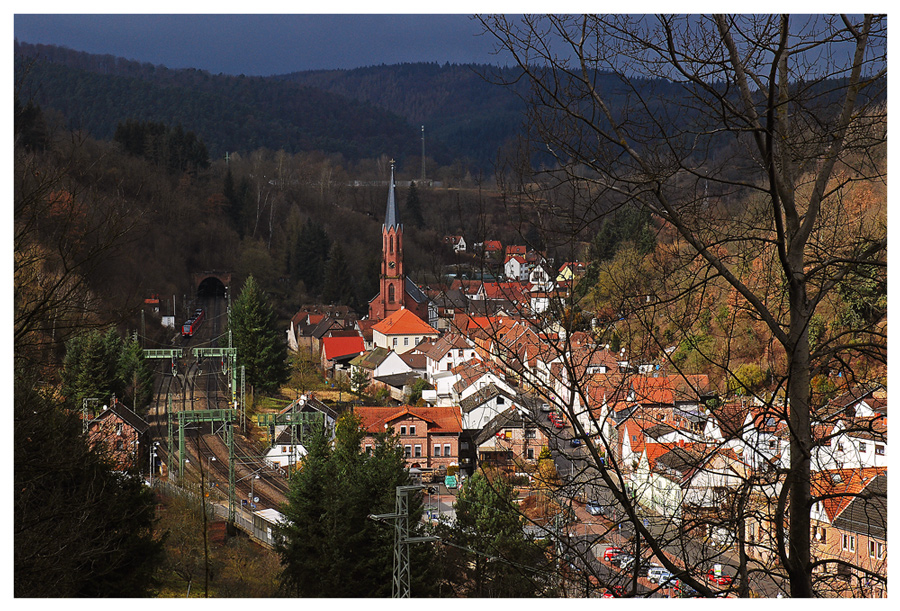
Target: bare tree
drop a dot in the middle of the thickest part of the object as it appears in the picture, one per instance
(750, 139)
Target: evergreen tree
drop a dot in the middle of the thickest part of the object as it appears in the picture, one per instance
(329, 547)
(496, 559)
(81, 529)
(91, 367)
(258, 339)
(135, 376)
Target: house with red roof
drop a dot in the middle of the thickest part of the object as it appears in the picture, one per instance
(402, 331)
(337, 352)
(428, 436)
(849, 523)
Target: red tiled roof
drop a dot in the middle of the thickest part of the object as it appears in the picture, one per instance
(492, 246)
(845, 483)
(440, 419)
(404, 322)
(336, 347)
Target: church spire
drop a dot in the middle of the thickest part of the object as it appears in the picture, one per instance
(391, 218)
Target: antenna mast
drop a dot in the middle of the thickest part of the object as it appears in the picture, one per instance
(423, 153)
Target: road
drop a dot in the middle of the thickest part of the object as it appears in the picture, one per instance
(582, 482)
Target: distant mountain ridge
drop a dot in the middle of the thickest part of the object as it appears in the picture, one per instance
(358, 113)
(230, 113)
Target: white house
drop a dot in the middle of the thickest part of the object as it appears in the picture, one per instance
(852, 443)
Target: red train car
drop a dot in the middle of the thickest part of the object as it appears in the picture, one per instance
(192, 324)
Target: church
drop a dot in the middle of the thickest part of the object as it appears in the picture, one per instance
(396, 290)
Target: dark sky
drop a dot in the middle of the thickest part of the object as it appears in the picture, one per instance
(261, 45)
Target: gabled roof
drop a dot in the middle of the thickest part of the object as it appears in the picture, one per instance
(126, 415)
(446, 343)
(482, 396)
(440, 419)
(404, 322)
(371, 359)
(866, 514)
(492, 246)
(415, 360)
(509, 418)
(841, 486)
(337, 347)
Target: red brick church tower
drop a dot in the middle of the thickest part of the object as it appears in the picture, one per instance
(396, 291)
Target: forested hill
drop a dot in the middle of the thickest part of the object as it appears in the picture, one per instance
(460, 105)
(229, 113)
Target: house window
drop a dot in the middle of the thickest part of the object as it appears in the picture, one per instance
(862, 447)
(406, 341)
(848, 543)
(530, 453)
(284, 449)
(446, 449)
(407, 451)
(403, 430)
(840, 446)
(876, 550)
(391, 293)
(460, 352)
(879, 450)
(395, 341)
(412, 429)
(772, 444)
(437, 449)
(530, 434)
(464, 445)
(500, 400)
(118, 428)
(418, 451)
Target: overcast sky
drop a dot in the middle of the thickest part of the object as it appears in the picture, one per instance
(261, 45)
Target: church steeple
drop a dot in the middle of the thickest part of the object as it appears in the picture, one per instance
(391, 218)
(392, 296)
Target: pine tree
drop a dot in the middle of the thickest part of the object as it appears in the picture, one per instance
(81, 529)
(259, 343)
(329, 546)
(135, 376)
(497, 560)
(91, 367)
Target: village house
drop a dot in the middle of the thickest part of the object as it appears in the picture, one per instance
(456, 242)
(849, 523)
(428, 436)
(337, 352)
(121, 435)
(402, 331)
(511, 441)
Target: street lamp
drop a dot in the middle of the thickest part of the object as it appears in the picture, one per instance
(153, 455)
(253, 498)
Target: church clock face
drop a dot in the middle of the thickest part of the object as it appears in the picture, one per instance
(391, 265)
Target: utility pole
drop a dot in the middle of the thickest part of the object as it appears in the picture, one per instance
(400, 517)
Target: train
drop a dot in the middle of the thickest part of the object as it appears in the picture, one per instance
(192, 324)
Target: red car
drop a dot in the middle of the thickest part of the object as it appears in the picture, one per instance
(721, 580)
(610, 552)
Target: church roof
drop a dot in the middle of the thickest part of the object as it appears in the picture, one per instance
(391, 217)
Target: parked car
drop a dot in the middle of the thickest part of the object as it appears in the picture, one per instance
(620, 560)
(720, 580)
(658, 575)
(645, 567)
(610, 552)
(594, 508)
(545, 407)
(575, 442)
